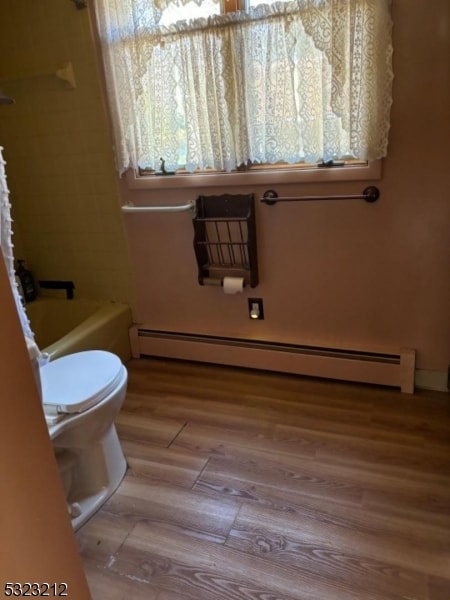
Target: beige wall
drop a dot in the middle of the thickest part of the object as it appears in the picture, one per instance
(37, 543)
(58, 150)
(345, 274)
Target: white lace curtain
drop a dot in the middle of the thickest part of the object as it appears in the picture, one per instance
(6, 245)
(290, 81)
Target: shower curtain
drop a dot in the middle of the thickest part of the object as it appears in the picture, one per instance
(7, 246)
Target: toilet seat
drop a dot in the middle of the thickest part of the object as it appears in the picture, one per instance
(75, 383)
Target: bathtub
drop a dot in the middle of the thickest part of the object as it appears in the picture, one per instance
(65, 326)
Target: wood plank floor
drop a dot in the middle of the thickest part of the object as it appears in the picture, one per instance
(246, 485)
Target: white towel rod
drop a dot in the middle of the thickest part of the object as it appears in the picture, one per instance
(129, 208)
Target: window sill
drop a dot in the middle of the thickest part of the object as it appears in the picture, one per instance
(371, 172)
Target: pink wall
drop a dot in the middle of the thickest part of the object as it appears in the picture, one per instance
(347, 274)
(37, 543)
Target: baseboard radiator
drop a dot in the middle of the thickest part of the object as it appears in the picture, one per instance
(390, 369)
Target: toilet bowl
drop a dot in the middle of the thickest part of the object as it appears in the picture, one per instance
(81, 395)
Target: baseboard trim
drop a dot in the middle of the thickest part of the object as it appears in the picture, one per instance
(431, 380)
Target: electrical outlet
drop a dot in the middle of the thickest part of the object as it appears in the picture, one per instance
(255, 309)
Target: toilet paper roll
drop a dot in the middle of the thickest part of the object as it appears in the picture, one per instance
(233, 285)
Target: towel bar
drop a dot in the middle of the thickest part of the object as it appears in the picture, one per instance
(370, 194)
(129, 208)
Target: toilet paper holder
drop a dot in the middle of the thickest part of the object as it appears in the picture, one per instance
(225, 239)
(230, 285)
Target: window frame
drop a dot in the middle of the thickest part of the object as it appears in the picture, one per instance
(371, 171)
(261, 176)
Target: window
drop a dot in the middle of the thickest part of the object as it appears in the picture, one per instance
(299, 82)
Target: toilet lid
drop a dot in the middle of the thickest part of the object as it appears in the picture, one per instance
(76, 382)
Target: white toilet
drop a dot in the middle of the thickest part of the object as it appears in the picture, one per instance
(81, 394)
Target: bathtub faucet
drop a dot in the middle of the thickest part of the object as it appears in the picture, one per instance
(58, 285)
